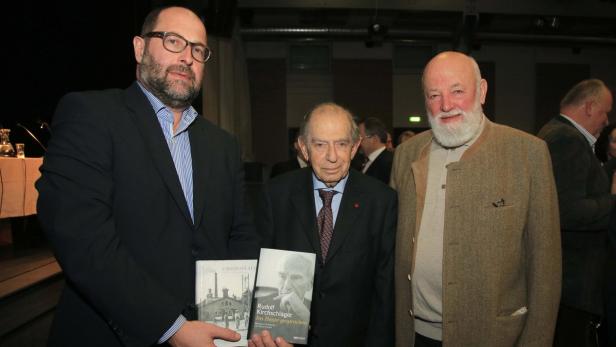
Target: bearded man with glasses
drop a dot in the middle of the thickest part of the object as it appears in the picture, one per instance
(136, 187)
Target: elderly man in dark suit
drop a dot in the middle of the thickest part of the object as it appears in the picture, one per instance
(585, 204)
(135, 187)
(348, 220)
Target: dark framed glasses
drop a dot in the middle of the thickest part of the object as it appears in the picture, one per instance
(176, 43)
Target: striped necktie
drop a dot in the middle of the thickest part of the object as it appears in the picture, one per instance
(326, 220)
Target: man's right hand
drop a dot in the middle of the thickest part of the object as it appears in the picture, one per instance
(196, 333)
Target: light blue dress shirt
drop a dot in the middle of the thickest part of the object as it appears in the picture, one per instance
(179, 143)
(318, 202)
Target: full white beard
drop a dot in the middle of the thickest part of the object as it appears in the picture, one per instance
(455, 135)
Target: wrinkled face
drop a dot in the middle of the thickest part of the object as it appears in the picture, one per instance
(598, 110)
(453, 99)
(175, 78)
(329, 147)
(294, 277)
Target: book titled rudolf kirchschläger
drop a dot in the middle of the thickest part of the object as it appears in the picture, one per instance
(283, 294)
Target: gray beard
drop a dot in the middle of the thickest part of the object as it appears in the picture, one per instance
(153, 77)
(460, 133)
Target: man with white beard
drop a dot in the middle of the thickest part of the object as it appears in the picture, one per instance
(478, 243)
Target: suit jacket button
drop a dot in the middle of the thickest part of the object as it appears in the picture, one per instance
(411, 313)
(408, 276)
(194, 252)
(321, 295)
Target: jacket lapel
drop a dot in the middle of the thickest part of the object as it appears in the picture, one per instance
(200, 149)
(152, 134)
(420, 177)
(375, 164)
(303, 202)
(564, 120)
(567, 122)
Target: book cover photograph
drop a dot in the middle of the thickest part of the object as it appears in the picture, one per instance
(224, 290)
(283, 294)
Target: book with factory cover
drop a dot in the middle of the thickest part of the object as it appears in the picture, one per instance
(223, 294)
(283, 293)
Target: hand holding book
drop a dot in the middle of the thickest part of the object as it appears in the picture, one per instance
(195, 333)
(279, 304)
(264, 339)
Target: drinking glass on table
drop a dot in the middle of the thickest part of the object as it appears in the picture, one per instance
(20, 150)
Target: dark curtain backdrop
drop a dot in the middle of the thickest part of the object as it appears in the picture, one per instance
(552, 81)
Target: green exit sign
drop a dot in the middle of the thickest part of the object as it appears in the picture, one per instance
(414, 119)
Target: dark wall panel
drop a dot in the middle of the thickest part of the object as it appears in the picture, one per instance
(552, 83)
(364, 87)
(488, 72)
(267, 78)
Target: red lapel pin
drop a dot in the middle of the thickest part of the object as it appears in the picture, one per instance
(356, 205)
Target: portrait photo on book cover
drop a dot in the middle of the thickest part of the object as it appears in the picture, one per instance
(283, 293)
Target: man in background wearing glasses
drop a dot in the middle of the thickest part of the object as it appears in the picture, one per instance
(135, 187)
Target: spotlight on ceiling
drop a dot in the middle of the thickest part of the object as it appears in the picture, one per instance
(376, 34)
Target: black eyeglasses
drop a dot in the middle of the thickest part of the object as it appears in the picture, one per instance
(176, 44)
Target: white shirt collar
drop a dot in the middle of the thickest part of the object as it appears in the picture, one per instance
(376, 153)
(589, 137)
(372, 157)
(339, 187)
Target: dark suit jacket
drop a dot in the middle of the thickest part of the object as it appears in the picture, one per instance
(585, 204)
(113, 209)
(284, 166)
(352, 302)
(358, 161)
(381, 168)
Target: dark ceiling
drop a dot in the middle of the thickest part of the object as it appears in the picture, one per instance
(562, 22)
(75, 45)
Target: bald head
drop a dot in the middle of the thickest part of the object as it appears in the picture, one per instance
(329, 109)
(152, 18)
(588, 104)
(462, 63)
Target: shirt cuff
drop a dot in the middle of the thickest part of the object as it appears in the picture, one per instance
(174, 329)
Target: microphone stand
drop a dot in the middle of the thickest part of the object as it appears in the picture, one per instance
(32, 135)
